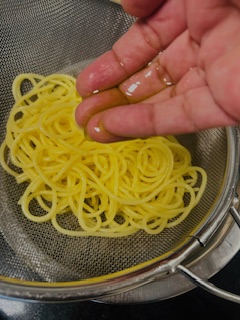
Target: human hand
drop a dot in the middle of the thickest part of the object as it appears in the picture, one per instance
(192, 85)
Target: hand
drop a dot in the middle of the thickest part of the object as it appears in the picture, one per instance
(192, 85)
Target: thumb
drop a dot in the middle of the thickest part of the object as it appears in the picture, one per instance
(192, 111)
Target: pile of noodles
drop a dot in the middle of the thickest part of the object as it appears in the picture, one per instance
(109, 190)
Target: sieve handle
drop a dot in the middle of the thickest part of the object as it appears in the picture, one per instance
(235, 214)
(208, 286)
(205, 284)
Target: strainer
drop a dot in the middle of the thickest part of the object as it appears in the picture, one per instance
(38, 263)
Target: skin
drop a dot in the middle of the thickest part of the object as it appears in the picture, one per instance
(192, 83)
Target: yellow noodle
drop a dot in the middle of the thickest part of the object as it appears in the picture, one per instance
(108, 190)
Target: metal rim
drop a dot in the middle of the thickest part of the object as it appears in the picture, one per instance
(217, 254)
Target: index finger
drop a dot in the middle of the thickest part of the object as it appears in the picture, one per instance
(143, 41)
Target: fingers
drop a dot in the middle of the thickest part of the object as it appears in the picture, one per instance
(165, 70)
(143, 41)
(192, 111)
(97, 103)
(168, 68)
(140, 86)
(194, 78)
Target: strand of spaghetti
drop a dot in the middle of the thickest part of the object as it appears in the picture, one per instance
(201, 189)
(110, 214)
(126, 232)
(80, 214)
(51, 181)
(3, 159)
(131, 201)
(30, 193)
(16, 86)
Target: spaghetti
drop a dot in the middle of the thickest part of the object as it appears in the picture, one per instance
(107, 190)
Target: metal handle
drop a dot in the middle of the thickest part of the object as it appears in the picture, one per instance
(205, 284)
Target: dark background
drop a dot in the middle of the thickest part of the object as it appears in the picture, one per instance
(196, 304)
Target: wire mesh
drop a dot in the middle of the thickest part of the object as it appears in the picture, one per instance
(51, 36)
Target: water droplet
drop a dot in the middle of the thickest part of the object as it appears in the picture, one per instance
(97, 129)
(132, 88)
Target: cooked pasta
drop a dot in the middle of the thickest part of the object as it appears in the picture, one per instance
(85, 188)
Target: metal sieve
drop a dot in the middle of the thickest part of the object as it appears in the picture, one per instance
(38, 263)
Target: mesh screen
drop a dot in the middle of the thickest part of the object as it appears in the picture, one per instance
(51, 36)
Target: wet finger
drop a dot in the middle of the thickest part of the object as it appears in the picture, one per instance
(192, 111)
(143, 41)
